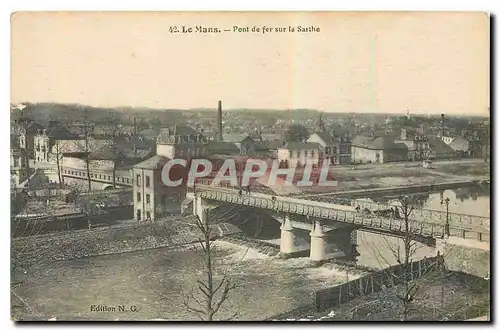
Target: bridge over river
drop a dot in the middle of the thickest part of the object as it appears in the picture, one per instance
(425, 223)
(325, 212)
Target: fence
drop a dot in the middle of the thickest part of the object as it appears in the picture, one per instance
(389, 277)
(374, 282)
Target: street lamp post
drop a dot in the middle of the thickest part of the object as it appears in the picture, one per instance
(447, 223)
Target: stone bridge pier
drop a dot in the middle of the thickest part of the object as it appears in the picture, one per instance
(338, 240)
(201, 207)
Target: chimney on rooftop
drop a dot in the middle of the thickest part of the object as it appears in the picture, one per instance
(442, 125)
(219, 121)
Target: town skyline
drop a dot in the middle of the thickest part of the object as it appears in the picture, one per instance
(213, 109)
(356, 63)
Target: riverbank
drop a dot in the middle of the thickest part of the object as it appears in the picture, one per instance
(156, 281)
(448, 296)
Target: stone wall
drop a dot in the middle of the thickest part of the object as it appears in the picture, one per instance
(468, 256)
(31, 251)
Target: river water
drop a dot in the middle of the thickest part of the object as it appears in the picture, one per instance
(473, 200)
(379, 251)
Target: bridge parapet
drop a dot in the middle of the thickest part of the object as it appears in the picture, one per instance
(333, 212)
(456, 219)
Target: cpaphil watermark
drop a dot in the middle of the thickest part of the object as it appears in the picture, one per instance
(243, 172)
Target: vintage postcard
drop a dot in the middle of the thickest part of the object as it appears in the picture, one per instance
(250, 166)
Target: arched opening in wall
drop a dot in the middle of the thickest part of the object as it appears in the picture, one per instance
(253, 222)
(108, 187)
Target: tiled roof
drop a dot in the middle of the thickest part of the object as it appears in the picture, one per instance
(270, 145)
(153, 163)
(378, 143)
(177, 130)
(439, 147)
(326, 137)
(271, 137)
(60, 133)
(235, 137)
(217, 147)
(297, 145)
(30, 126)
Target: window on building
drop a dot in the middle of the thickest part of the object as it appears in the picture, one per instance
(312, 153)
(147, 181)
(306, 153)
(148, 198)
(335, 150)
(138, 197)
(138, 180)
(148, 215)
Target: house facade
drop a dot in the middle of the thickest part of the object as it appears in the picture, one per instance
(26, 130)
(181, 142)
(18, 163)
(53, 141)
(299, 154)
(244, 142)
(416, 142)
(152, 198)
(336, 150)
(366, 149)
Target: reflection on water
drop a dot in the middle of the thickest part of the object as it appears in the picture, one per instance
(472, 200)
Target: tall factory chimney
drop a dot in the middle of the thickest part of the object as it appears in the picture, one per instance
(219, 122)
(442, 125)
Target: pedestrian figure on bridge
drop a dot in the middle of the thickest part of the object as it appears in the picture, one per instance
(358, 208)
(248, 189)
(240, 192)
(396, 213)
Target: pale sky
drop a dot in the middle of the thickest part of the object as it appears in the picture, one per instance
(358, 62)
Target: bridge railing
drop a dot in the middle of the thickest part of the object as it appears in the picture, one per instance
(462, 220)
(421, 228)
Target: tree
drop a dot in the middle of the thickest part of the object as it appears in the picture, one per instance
(296, 133)
(59, 153)
(87, 132)
(213, 291)
(112, 145)
(403, 257)
(88, 146)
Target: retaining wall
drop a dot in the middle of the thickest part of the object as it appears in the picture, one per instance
(30, 251)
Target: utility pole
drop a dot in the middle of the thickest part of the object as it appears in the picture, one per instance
(219, 122)
(135, 136)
